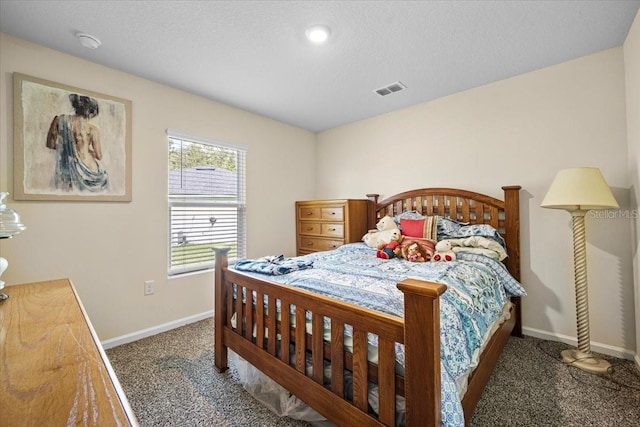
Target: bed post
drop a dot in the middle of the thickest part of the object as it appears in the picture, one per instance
(422, 358)
(512, 226)
(373, 203)
(220, 310)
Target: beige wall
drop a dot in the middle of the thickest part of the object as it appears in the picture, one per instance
(516, 131)
(110, 249)
(631, 50)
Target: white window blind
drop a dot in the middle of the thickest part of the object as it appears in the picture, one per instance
(206, 201)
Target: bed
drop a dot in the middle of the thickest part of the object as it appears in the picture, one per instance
(335, 379)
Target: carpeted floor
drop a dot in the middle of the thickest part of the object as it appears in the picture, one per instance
(170, 380)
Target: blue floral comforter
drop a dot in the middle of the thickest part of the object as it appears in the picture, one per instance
(478, 288)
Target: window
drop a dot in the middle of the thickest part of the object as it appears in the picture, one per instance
(206, 201)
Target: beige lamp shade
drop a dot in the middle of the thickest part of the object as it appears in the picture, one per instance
(579, 189)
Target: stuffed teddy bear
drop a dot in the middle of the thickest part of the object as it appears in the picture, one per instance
(414, 252)
(383, 233)
(390, 250)
(444, 252)
(385, 237)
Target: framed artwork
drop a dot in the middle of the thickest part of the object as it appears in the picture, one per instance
(69, 143)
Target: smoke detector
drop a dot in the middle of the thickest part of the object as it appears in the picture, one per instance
(389, 89)
(88, 41)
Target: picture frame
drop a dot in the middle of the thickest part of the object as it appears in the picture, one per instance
(70, 144)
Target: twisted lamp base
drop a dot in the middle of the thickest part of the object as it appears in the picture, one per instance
(586, 361)
(582, 357)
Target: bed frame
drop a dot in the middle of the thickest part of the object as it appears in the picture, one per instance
(419, 331)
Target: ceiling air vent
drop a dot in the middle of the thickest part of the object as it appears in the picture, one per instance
(393, 87)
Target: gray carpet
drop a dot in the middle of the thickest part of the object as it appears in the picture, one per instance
(170, 380)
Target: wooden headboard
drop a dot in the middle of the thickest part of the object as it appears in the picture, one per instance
(464, 206)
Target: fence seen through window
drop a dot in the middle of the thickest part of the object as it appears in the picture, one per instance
(206, 202)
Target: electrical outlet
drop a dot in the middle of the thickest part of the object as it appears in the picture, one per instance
(149, 287)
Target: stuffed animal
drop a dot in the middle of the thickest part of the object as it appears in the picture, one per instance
(444, 252)
(386, 223)
(414, 252)
(381, 235)
(385, 237)
(389, 251)
(416, 249)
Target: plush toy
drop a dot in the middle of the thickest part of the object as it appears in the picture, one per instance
(385, 230)
(416, 249)
(385, 237)
(386, 223)
(444, 252)
(388, 251)
(414, 252)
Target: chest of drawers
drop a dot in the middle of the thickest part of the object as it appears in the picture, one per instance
(322, 225)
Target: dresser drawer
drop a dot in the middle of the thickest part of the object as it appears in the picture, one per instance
(332, 214)
(309, 212)
(309, 228)
(313, 244)
(333, 230)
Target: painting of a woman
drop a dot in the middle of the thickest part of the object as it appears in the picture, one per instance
(70, 143)
(77, 142)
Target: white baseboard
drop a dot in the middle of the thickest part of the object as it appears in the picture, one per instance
(609, 350)
(135, 336)
(536, 333)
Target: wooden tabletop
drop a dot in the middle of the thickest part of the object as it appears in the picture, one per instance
(53, 370)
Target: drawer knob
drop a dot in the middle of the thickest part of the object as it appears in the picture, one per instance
(332, 229)
(309, 228)
(309, 213)
(310, 244)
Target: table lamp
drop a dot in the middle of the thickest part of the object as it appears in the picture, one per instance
(10, 225)
(579, 190)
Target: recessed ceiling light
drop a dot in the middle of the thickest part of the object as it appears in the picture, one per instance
(88, 41)
(318, 34)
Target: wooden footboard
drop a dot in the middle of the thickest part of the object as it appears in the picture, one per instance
(257, 329)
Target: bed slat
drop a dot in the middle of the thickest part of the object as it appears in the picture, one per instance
(360, 383)
(230, 309)
(465, 210)
(285, 332)
(272, 337)
(337, 358)
(248, 328)
(428, 205)
(494, 220)
(453, 207)
(386, 381)
(259, 320)
(300, 340)
(317, 349)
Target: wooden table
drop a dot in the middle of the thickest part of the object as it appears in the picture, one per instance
(53, 370)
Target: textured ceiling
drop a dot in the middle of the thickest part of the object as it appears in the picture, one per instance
(253, 54)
